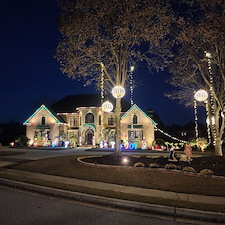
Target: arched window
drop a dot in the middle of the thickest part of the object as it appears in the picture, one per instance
(89, 118)
(135, 119)
(43, 120)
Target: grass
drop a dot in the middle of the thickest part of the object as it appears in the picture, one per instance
(68, 166)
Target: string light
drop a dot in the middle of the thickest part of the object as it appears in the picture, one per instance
(131, 85)
(196, 118)
(209, 56)
(168, 135)
(208, 122)
(102, 84)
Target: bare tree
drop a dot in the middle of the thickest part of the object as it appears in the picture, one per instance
(200, 61)
(112, 36)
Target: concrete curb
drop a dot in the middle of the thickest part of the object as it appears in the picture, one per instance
(124, 204)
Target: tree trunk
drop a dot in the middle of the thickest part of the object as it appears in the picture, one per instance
(118, 126)
(218, 147)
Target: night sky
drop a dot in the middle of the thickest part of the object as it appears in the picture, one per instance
(30, 74)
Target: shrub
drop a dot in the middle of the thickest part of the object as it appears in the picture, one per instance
(206, 172)
(188, 169)
(21, 141)
(139, 164)
(170, 166)
(154, 165)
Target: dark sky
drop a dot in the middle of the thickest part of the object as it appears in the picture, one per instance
(30, 74)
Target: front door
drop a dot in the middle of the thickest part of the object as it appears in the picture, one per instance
(88, 137)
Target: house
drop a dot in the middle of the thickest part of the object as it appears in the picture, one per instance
(75, 120)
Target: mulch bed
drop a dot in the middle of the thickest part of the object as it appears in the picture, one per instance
(214, 163)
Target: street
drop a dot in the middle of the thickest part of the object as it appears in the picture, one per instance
(23, 208)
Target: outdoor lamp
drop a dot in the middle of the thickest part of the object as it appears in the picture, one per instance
(118, 92)
(107, 106)
(201, 95)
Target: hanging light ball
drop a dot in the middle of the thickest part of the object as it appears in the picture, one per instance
(107, 106)
(201, 95)
(118, 92)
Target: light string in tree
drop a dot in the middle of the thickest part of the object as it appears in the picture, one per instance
(207, 122)
(196, 118)
(211, 100)
(131, 85)
(102, 84)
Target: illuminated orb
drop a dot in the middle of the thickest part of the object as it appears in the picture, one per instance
(201, 95)
(107, 106)
(118, 92)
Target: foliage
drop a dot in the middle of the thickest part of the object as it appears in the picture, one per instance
(201, 143)
(154, 165)
(206, 172)
(21, 141)
(199, 60)
(188, 169)
(159, 142)
(170, 166)
(108, 37)
(139, 164)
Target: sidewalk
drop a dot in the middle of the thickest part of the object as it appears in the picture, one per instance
(181, 212)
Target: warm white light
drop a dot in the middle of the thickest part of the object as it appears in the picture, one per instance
(118, 92)
(125, 160)
(107, 106)
(201, 95)
(213, 120)
(208, 55)
(132, 68)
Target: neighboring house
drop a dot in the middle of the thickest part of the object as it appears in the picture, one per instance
(87, 125)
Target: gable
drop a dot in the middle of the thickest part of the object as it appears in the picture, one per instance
(42, 111)
(142, 116)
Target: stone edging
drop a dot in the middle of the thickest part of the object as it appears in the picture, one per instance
(168, 171)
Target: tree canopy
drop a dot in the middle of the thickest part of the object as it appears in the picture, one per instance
(199, 61)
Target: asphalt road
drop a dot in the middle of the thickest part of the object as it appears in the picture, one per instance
(24, 208)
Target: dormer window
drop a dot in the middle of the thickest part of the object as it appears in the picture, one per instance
(43, 120)
(135, 119)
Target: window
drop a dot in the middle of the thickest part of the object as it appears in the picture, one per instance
(135, 119)
(111, 120)
(43, 120)
(100, 120)
(89, 118)
(73, 121)
(135, 135)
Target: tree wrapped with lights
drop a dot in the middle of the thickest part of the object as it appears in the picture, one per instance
(200, 60)
(111, 36)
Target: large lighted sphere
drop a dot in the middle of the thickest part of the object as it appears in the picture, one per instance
(201, 95)
(107, 106)
(118, 92)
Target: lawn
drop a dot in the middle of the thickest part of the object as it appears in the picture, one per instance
(162, 179)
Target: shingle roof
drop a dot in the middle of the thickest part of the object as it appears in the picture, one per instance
(69, 103)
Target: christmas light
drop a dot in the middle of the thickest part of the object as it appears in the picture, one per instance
(201, 95)
(131, 85)
(107, 106)
(118, 92)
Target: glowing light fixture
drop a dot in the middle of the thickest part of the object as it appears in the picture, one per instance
(107, 106)
(201, 95)
(125, 160)
(118, 92)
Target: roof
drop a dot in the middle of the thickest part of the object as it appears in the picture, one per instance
(141, 112)
(69, 103)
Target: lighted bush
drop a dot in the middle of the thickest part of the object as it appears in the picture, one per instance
(139, 164)
(154, 165)
(206, 172)
(170, 166)
(189, 169)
